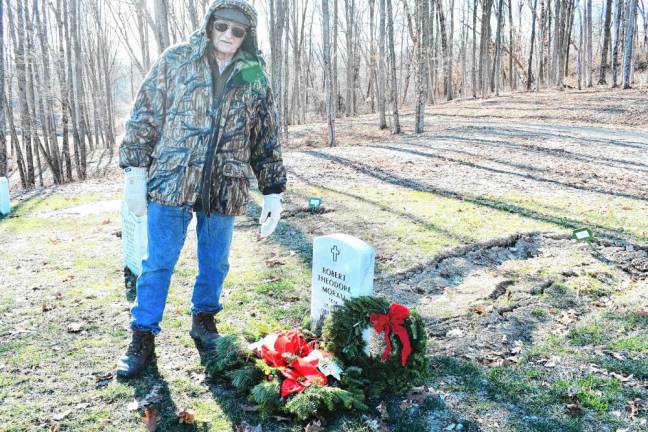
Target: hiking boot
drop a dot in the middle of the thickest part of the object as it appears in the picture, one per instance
(138, 354)
(203, 331)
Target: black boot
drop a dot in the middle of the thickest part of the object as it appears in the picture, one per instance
(203, 331)
(138, 354)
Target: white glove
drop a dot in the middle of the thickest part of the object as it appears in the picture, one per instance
(135, 190)
(270, 214)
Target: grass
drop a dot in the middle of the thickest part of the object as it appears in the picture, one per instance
(623, 215)
(592, 391)
(590, 333)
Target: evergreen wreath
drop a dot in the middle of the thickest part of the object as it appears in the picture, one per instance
(285, 382)
(285, 373)
(393, 370)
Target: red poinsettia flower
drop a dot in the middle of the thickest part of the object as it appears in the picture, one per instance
(300, 375)
(286, 348)
(292, 342)
(272, 357)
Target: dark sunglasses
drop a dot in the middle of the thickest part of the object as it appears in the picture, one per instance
(237, 32)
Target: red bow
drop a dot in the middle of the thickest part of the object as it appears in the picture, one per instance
(393, 321)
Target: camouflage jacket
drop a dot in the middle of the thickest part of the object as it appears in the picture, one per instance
(175, 119)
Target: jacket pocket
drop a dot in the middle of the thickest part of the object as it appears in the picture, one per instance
(235, 186)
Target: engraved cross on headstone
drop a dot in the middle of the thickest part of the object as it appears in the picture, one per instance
(335, 251)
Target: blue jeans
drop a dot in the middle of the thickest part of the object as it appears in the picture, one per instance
(167, 231)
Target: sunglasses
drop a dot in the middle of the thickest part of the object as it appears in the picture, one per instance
(237, 32)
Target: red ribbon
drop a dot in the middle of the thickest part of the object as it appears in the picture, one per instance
(393, 321)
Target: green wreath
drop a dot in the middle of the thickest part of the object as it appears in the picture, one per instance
(251, 376)
(343, 333)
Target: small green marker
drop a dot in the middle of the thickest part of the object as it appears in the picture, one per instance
(583, 234)
(314, 203)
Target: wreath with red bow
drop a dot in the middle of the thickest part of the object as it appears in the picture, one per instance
(386, 341)
(286, 372)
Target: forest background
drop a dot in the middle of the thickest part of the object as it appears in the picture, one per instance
(71, 68)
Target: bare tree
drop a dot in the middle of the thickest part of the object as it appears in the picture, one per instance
(382, 121)
(20, 58)
(474, 49)
(606, 42)
(326, 45)
(631, 21)
(588, 43)
(396, 129)
(447, 54)
(494, 81)
(618, 26)
(161, 29)
(421, 62)
(533, 32)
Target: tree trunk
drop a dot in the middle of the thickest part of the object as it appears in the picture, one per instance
(484, 49)
(64, 92)
(474, 50)
(326, 44)
(79, 92)
(372, 53)
(618, 24)
(161, 28)
(540, 54)
(447, 54)
(20, 55)
(631, 21)
(533, 31)
(494, 81)
(421, 73)
(349, 9)
(392, 60)
(511, 46)
(606, 43)
(588, 47)
(581, 47)
(334, 63)
(20, 160)
(382, 120)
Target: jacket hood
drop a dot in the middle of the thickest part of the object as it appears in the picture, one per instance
(200, 39)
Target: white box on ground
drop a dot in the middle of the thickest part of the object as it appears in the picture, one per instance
(343, 268)
(5, 207)
(134, 239)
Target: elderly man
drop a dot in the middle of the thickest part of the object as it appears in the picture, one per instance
(203, 121)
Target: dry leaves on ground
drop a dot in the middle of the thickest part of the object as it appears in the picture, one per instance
(274, 262)
(187, 416)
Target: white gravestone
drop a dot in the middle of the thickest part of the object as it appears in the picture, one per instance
(134, 219)
(343, 268)
(134, 239)
(5, 207)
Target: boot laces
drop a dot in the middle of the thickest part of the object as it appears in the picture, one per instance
(138, 345)
(207, 321)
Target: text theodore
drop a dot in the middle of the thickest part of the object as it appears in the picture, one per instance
(334, 283)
